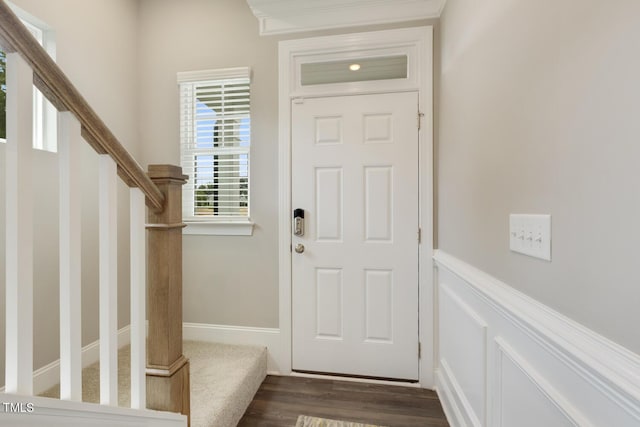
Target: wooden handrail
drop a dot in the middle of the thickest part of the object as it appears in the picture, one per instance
(56, 86)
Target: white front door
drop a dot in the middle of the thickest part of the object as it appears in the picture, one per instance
(355, 269)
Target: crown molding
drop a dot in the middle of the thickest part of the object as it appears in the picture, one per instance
(292, 16)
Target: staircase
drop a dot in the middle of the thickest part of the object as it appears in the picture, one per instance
(224, 379)
(158, 377)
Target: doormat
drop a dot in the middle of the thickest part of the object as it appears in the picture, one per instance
(306, 421)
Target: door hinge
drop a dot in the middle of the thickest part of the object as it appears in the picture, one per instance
(298, 100)
(419, 235)
(420, 116)
(419, 350)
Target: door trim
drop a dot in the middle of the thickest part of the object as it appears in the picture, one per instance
(415, 41)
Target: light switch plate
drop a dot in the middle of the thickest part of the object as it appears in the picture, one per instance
(530, 235)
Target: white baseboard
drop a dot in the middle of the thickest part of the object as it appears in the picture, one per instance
(456, 406)
(49, 375)
(447, 397)
(241, 335)
(505, 359)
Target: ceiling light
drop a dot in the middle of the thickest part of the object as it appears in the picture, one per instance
(354, 67)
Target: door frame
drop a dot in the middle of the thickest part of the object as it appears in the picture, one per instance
(417, 44)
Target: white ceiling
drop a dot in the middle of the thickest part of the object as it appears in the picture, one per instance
(289, 16)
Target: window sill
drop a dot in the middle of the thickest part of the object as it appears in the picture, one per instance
(219, 228)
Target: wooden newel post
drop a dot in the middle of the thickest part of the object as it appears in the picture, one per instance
(167, 368)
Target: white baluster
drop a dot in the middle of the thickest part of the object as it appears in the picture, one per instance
(69, 141)
(138, 301)
(19, 227)
(108, 281)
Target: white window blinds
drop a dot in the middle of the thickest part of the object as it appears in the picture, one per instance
(215, 134)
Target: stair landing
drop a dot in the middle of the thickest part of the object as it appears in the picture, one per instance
(224, 379)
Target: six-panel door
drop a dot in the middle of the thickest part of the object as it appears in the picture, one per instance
(355, 280)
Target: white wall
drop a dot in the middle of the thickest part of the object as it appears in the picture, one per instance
(96, 48)
(539, 114)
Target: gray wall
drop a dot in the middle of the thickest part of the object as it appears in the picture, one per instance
(123, 55)
(96, 48)
(230, 280)
(227, 280)
(539, 114)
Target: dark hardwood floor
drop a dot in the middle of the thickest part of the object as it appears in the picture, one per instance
(280, 400)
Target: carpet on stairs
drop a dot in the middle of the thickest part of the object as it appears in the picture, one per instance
(224, 379)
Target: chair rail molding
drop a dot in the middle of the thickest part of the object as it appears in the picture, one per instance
(292, 16)
(504, 357)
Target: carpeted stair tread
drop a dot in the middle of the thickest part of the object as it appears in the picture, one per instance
(224, 379)
(221, 392)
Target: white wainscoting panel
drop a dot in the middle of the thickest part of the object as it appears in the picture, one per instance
(519, 382)
(506, 360)
(463, 354)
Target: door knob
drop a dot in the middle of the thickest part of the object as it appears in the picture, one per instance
(299, 248)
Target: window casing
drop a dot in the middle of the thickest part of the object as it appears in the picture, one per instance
(44, 113)
(215, 140)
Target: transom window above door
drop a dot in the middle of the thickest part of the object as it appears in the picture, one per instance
(354, 70)
(384, 63)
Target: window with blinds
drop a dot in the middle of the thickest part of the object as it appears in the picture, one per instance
(215, 134)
